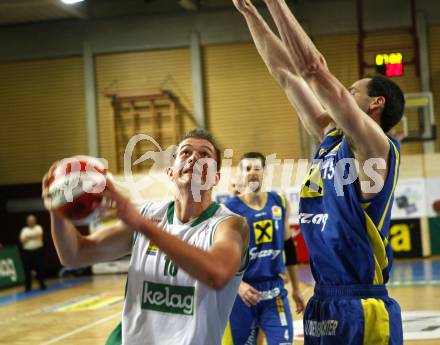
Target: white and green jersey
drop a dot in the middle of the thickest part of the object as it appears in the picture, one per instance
(164, 305)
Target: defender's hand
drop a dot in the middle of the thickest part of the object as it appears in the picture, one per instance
(243, 5)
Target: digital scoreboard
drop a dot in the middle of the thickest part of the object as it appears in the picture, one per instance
(390, 64)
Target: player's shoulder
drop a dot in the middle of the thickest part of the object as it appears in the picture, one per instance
(394, 143)
(332, 136)
(225, 216)
(154, 208)
(277, 198)
(232, 203)
(224, 211)
(330, 142)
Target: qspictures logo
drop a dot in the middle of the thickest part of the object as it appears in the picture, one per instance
(168, 298)
(7, 269)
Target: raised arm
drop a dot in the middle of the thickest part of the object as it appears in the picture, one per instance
(370, 139)
(77, 250)
(274, 54)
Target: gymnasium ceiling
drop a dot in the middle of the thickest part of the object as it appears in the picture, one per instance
(15, 12)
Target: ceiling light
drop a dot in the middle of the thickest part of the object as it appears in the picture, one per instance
(70, 2)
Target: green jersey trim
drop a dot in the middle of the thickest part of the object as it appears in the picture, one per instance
(170, 212)
(115, 337)
(214, 228)
(206, 214)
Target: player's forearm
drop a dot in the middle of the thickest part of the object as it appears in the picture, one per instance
(212, 269)
(277, 60)
(309, 110)
(303, 54)
(268, 45)
(67, 241)
(370, 139)
(293, 275)
(311, 65)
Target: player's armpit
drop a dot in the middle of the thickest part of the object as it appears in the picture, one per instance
(369, 138)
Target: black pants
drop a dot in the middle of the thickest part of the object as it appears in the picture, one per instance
(33, 260)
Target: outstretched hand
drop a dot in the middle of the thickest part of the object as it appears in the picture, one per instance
(243, 5)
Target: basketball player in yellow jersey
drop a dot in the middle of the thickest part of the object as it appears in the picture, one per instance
(345, 204)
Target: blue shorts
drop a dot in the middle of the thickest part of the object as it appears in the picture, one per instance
(272, 315)
(352, 315)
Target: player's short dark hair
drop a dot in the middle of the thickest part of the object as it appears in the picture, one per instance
(205, 135)
(257, 155)
(394, 100)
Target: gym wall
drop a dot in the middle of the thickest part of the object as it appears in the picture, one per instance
(169, 69)
(42, 116)
(434, 53)
(43, 102)
(246, 109)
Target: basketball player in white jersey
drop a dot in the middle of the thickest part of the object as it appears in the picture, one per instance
(187, 255)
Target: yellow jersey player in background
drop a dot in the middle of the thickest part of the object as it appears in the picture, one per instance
(262, 302)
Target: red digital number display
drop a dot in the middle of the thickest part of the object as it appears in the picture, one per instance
(394, 70)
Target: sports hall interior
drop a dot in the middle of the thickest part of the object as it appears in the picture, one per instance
(83, 79)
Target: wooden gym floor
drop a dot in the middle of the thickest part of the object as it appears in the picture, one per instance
(85, 310)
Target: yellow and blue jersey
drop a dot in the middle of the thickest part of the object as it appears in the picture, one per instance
(272, 313)
(266, 242)
(347, 236)
(350, 255)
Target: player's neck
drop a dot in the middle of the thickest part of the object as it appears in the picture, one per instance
(188, 208)
(254, 199)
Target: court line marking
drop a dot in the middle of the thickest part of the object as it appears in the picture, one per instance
(81, 329)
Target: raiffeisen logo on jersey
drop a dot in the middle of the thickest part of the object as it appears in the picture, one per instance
(168, 298)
